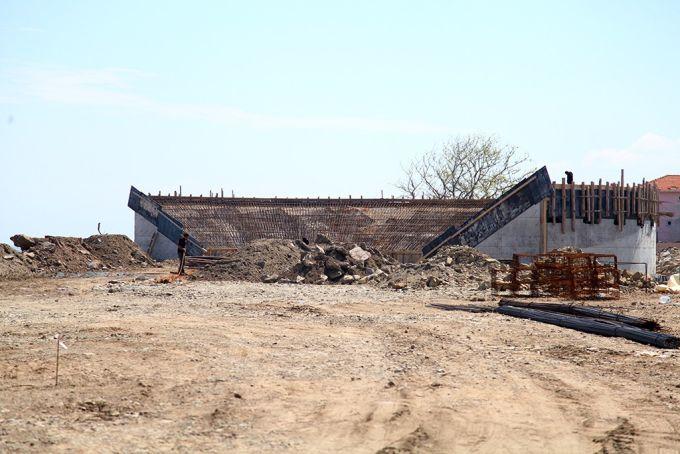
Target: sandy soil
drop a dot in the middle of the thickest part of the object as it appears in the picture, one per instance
(228, 366)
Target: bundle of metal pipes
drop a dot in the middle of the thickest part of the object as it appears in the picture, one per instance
(590, 320)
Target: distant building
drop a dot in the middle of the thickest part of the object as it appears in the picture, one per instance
(668, 230)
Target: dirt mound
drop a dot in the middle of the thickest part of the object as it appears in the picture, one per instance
(668, 261)
(255, 261)
(53, 254)
(115, 251)
(13, 264)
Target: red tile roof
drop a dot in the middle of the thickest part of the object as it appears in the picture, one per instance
(668, 183)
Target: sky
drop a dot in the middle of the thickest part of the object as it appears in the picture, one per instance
(316, 98)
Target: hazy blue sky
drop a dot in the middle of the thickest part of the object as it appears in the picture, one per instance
(311, 98)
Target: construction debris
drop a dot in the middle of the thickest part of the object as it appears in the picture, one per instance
(671, 286)
(574, 309)
(326, 262)
(636, 279)
(565, 273)
(668, 261)
(288, 261)
(52, 255)
(581, 318)
(459, 266)
(13, 264)
(24, 242)
(594, 325)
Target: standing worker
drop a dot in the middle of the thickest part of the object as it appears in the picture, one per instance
(182, 251)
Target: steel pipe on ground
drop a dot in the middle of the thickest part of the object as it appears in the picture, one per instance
(593, 326)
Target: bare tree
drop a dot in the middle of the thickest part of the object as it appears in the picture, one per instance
(469, 167)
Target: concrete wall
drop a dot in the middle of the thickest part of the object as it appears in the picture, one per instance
(523, 234)
(519, 236)
(669, 227)
(163, 248)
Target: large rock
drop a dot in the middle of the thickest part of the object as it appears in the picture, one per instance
(359, 254)
(270, 278)
(337, 252)
(322, 239)
(347, 279)
(333, 268)
(398, 284)
(24, 242)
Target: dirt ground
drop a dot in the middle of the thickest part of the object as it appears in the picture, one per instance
(249, 367)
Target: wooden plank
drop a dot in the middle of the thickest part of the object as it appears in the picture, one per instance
(655, 205)
(552, 203)
(573, 207)
(563, 194)
(599, 201)
(648, 201)
(645, 202)
(152, 243)
(543, 245)
(607, 199)
(591, 194)
(615, 203)
(582, 205)
(633, 201)
(621, 204)
(637, 202)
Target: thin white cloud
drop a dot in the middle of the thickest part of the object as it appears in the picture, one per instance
(649, 146)
(113, 87)
(650, 156)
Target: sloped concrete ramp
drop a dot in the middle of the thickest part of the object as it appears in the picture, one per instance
(496, 215)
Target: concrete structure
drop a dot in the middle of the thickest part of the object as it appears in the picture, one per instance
(523, 235)
(669, 198)
(218, 225)
(148, 239)
(532, 217)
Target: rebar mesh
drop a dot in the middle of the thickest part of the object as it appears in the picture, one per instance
(392, 225)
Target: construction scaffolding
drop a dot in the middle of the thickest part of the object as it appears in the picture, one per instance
(596, 201)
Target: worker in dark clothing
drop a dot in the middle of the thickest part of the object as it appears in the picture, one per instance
(570, 177)
(182, 251)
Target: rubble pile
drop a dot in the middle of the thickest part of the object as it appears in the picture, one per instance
(295, 261)
(339, 263)
(327, 262)
(668, 261)
(52, 255)
(636, 279)
(460, 266)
